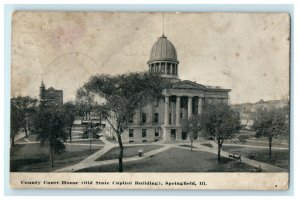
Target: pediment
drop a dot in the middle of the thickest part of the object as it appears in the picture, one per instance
(187, 85)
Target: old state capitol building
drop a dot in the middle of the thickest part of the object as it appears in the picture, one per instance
(183, 98)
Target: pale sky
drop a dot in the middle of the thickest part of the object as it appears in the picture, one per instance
(247, 53)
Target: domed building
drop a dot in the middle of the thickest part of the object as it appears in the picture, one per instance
(183, 98)
(163, 59)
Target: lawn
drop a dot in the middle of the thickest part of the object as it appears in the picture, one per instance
(129, 151)
(31, 137)
(178, 160)
(207, 145)
(280, 158)
(188, 145)
(85, 141)
(258, 143)
(34, 158)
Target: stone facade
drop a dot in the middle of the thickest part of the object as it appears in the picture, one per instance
(50, 97)
(248, 111)
(182, 99)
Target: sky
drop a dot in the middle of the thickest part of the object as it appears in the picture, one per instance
(245, 52)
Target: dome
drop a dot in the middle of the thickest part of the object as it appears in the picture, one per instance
(163, 50)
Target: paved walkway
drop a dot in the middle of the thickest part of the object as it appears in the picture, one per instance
(90, 161)
(265, 142)
(262, 147)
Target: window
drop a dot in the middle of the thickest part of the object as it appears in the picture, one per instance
(181, 115)
(156, 132)
(156, 117)
(170, 119)
(144, 132)
(144, 118)
(131, 132)
(131, 119)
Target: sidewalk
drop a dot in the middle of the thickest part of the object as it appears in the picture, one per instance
(90, 161)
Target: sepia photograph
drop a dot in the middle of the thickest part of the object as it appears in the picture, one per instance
(150, 96)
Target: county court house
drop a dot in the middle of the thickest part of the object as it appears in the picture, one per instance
(183, 98)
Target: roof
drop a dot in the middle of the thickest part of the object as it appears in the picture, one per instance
(163, 50)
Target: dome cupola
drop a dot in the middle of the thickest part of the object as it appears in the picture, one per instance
(163, 58)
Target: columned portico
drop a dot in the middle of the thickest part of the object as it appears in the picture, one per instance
(166, 111)
(178, 111)
(200, 105)
(189, 107)
(173, 131)
(166, 127)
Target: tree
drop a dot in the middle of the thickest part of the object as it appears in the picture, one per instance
(192, 126)
(69, 113)
(15, 121)
(85, 102)
(123, 95)
(49, 125)
(219, 122)
(26, 107)
(271, 123)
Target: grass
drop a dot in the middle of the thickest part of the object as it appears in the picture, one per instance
(82, 141)
(188, 145)
(207, 145)
(129, 151)
(31, 137)
(34, 158)
(178, 160)
(280, 158)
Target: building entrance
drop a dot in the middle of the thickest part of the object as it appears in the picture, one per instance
(173, 134)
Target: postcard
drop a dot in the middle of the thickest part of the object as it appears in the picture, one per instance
(150, 100)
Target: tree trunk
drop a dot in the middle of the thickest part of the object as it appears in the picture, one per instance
(25, 129)
(90, 144)
(120, 153)
(70, 134)
(270, 146)
(191, 145)
(12, 139)
(51, 156)
(219, 151)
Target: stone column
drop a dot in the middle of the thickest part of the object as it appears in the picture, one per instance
(166, 110)
(189, 107)
(159, 68)
(200, 104)
(178, 111)
(150, 114)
